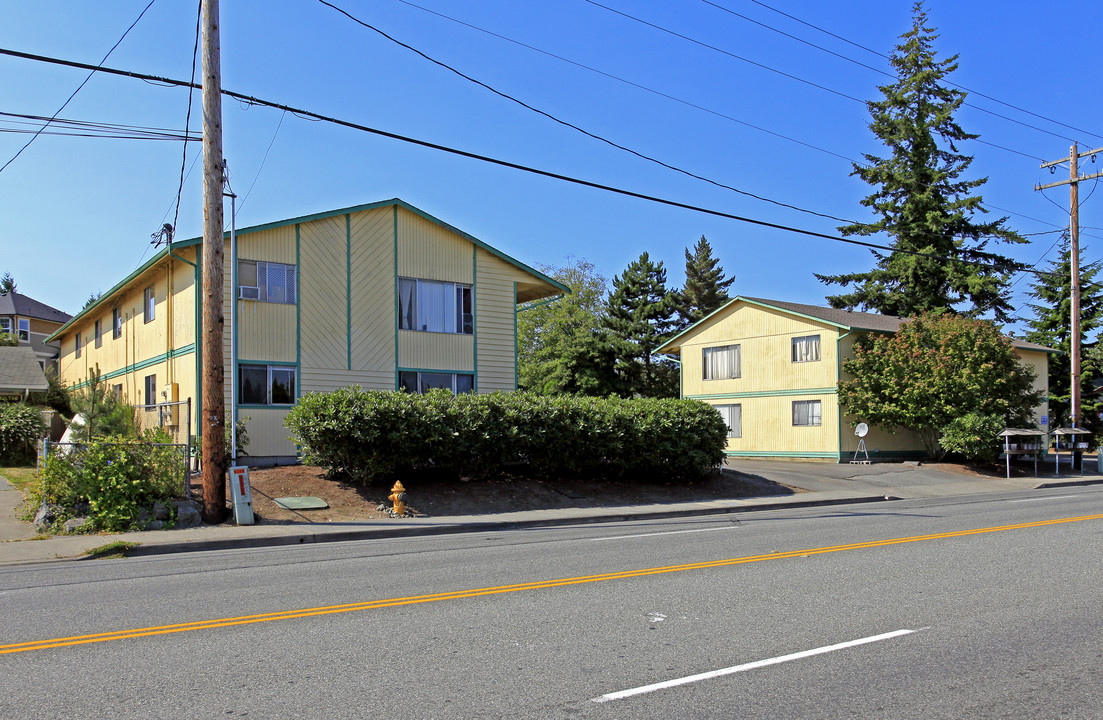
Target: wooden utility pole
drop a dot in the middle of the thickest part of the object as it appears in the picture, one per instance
(1074, 260)
(214, 403)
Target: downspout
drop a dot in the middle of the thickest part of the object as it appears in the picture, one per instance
(838, 379)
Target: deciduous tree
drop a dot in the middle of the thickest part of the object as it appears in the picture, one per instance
(934, 371)
(562, 345)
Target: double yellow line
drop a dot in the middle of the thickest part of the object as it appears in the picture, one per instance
(540, 585)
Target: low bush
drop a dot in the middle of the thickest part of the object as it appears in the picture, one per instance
(379, 434)
(973, 436)
(116, 478)
(21, 427)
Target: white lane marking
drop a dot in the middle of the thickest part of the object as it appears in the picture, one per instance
(747, 666)
(1049, 497)
(671, 532)
(656, 617)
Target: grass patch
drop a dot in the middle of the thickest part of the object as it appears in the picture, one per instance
(116, 549)
(19, 477)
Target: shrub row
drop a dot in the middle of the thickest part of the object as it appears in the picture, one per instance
(21, 427)
(378, 434)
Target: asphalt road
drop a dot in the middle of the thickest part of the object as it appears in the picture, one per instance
(983, 607)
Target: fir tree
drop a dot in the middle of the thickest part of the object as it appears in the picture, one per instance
(1052, 326)
(706, 289)
(922, 201)
(640, 317)
(7, 284)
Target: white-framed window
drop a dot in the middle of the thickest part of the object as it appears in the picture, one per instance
(432, 306)
(266, 385)
(733, 418)
(423, 382)
(721, 362)
(116, 324)
(149, 304)
(76, 338)
(97, 332)
(266, 281)
(117, 390)
(806, 412)
(151, 390)
(24, 329)
(806, 348)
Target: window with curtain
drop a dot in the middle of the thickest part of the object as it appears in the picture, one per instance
(806, 412)
(720, 363)
(432, 306)
(149, 304)
(266, 385)
(733, 418)
(806, 349)
(423, 382)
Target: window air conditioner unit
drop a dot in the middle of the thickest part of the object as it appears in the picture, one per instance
(248, 293)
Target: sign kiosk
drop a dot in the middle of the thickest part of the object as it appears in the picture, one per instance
(242, 495)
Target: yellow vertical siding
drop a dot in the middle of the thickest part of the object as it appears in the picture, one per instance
(267, 435)
(323, 297)
(430, 252)
(373, 297)
(436, 351)
(768, 430)
(1039, 362)
(495, 316)
(765, 339)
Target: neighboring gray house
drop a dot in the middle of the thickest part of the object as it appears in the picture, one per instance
(20, 373)
(32, 322)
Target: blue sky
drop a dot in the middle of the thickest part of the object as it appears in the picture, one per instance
(76, 213)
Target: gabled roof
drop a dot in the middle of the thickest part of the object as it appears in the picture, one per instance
(14, 303)
(19, 370)
(191, 242)
(842, 319)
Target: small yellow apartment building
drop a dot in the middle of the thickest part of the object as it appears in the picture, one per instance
(382, 295)
(772, 369)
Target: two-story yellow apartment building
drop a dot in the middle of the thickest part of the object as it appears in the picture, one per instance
(772, 369)
(382, 295)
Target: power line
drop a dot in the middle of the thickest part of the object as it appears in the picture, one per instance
(187, 119)
(960, 87)
(982, 259)
(631, 83)
(585, 132)
(69, 127)
(79, 87)
(800, 79)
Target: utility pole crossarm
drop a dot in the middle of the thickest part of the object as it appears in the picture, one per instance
(1069, 181)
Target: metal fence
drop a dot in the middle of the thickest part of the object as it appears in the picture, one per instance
(182, 451)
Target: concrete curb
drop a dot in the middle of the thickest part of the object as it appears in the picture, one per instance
(1070, 483)
(475, 527)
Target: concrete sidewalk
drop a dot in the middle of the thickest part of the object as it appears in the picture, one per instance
(826, 484)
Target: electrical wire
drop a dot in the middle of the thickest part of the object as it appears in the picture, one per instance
(582, 130)
(577, 128)
(69, 127)
(79, 87)
(960, 87)
(187, 117)
(262, 161)
(973, 257)
(631, 83)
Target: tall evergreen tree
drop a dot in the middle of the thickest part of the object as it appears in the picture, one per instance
(563, 346)
(7, 283)
(1052, 326)
(640, 317)
(921, 200)
(706, 289)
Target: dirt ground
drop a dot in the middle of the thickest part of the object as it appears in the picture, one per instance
(441, 497)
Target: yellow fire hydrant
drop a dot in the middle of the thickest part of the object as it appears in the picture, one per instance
(398, 497)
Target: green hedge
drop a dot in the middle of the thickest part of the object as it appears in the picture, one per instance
(21, 427)
(379, 434)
